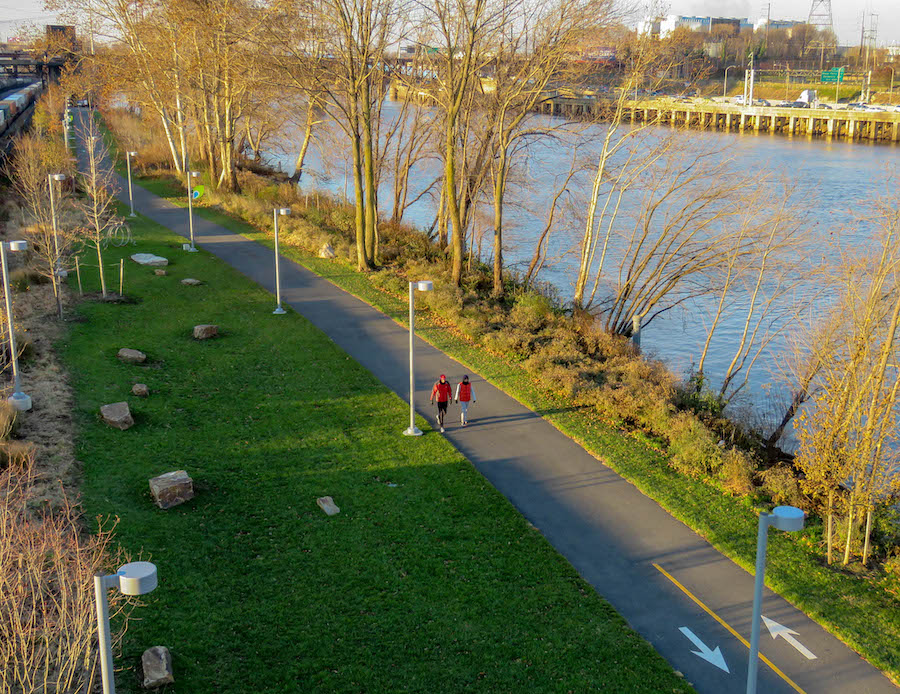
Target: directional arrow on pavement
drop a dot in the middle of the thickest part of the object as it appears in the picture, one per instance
(776, 630)
(713, 656)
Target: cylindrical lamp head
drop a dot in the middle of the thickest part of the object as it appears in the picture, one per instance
(58, 177)
(424, 285)
(137, 578)
(17, 245)
(283, 211)
(789, 518)
(195, 173)
(132, 154)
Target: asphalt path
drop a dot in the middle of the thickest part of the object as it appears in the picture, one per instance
(672, 587)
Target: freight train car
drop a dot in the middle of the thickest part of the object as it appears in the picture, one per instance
(13, 104)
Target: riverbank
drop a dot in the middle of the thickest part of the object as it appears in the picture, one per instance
(830, 595)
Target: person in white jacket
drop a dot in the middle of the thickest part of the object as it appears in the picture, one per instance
(465, 394)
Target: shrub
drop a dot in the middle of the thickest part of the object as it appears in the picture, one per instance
(23, 277)
(738, 469)
(780, 483)
(693, 448)
(8, 417)
(315, 216)
(344, 220)
(531, 311)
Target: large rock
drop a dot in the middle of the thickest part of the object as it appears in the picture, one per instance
(117, 415)
(140, 389)
(160, 273)
(205, 332)
(326, 251)
(171, 489)
(149, 259)
(157, 666)
(191, 282)
(326, 503)
(131, 356)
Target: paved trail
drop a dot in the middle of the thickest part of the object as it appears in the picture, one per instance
(674, 588)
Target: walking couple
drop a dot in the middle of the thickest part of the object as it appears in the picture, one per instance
(442, 393)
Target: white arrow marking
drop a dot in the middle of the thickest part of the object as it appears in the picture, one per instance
(711, 656)
(776, 630)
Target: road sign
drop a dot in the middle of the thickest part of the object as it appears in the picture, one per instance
(197, 192)
(835, 74)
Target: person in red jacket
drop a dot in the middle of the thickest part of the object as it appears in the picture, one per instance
(443, 394)
(465, 394)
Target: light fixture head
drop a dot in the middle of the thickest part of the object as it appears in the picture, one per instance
(17, 245)
(283, 211)
(137, 578)
(789, 518)
(58, 177)
(424, 285)
(132, 154)
(195, 173)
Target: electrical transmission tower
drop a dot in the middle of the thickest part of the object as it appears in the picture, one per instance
(820, 15)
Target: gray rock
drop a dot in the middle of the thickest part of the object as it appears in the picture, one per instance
(157, 665)
(117, 415)
(171, 489)
(140, 389)
(326, 251)
(205, 332)
(131, 356)
(191, 282)
(149, 259)
(326, 503)
(160, 273)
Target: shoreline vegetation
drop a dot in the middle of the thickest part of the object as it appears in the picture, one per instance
(667, 437)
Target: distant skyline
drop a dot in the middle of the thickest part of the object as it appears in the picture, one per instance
(846, 13)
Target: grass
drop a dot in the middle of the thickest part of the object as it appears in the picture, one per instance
(862, 610)
(427, 581)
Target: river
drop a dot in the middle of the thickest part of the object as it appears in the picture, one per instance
(831, 180)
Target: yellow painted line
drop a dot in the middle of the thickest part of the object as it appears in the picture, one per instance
(728, 627)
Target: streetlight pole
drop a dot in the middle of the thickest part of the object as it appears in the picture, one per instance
(276, 213)
(786, 518)
(128, 156)
(422, 286)
(18, 399)
(891, 90)
(191, 248)
(725, 88)
(136, 578)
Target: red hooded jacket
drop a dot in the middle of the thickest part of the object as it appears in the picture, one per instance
(442, 392)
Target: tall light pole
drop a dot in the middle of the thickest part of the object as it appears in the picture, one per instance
(840, 78)
(725, 88)
(276, 213)
(790, 519)
(189, 175)
(422, 286)
(891, 90)
(136, 578)
(18, 399)
(128, 156)
(50, 179)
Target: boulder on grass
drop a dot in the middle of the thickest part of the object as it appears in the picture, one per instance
(140, 389)
(205, 332)
(117, 415)
(149, 259)
(326, 251)
(160, 273)
(326, 503)
(157, 665)
(131, 356)
(171, 489)
(191, 282)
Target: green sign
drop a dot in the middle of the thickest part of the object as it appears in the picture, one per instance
(835, 74)
(197, 192)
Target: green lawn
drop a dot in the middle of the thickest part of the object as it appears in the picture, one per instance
(427, 581)
(861, 610)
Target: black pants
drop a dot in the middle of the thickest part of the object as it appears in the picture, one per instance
(442, 410)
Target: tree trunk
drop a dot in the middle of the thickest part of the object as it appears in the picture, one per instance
(499, 186)
(307, 139)
(829, 531)
(100, 266)
(849, 535)
(865, 556)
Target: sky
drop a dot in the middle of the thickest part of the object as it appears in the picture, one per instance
(847, 14)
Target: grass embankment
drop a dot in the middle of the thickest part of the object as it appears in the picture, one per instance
(427, 581)
(860, 608)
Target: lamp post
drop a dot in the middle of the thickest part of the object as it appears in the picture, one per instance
(58, 178)
(725, 88)
(276, 213)
(840, 78)
(136, 578)
(422, 286)
(128, 156)
(18, 399)
(790, 519)
(891, 90)
(191, 247)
